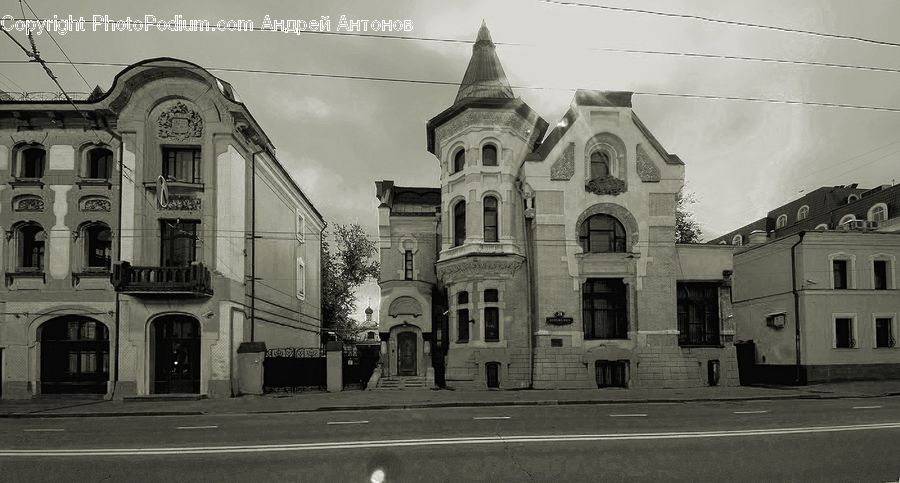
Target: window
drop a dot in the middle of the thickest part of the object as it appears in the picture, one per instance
(846, 219)
(178, 243)
(99, 163)
(30, 240)
(492, 374)
(884, 332)
(843, 333)
(459, 223)
(839, 269)
(32, 162)
(98, 247)
(491, 295)
(822, 226)
(181, 164)
(491, 227)
(408, 265)
(462, 317)
(878, 213)
(852, 198)
(602, 234)
(698, 314)
(599, 165)
(489, 155)
(612, 373)
(781, 221)
(459, 160)
(737, 240)
(301, 279)
(300, 226)
(604, 309)
(803, 213)
(491, 324)
(881, 274)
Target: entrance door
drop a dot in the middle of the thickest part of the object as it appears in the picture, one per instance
(177, 354)
(74, 356)
(406, 354)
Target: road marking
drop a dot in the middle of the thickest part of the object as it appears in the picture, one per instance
(635, 415)
(197, 427)
(491, 417)
(867, 407)
(750, 412)
(44, 430)
(348, 422)
(395, 443)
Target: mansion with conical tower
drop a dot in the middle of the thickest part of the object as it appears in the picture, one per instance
(547, 259)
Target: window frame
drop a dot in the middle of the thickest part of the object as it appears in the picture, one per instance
(850, 260)
(853, 343)
(737, 240)
(408, 273)
(38, 248)
(619, 329)
(850, 217)
(617, 244)
(19, 166)
(803, 213)
(604, 160)
(463, 317)
(87, 248)
(883, 208)
(492, 322)
(196, 164)
(496, 149)
(710, 328)
(301, 279)
(172, 225)
(781, 221)
(300, 225)
(458, 214)
(496, 225)
(892, 330)
(88, 163)
(458, 161)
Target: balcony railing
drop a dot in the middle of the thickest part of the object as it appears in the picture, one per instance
(194, 279)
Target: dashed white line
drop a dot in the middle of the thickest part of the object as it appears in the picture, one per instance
(490, 417)
(44, 430)
(348, 422)
(867, 407)
(635, 415)
(750, 412)
(197, 427)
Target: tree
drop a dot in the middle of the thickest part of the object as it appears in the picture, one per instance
(687, 230)
(343, 271)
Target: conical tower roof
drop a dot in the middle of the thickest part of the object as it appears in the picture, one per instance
(484, 77)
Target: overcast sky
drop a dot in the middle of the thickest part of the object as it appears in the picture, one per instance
(337, 136)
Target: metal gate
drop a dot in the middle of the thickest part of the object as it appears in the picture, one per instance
(358, 364)
(294, 369)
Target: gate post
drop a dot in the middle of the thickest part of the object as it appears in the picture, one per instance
(334, 366)
(250, 367)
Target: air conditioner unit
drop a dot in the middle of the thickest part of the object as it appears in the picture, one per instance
(871, 225)
(776, 320)
(856, 225)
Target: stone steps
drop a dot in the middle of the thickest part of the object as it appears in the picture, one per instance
(401, 383)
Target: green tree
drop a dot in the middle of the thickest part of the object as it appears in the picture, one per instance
(348, 261)
(687, 230)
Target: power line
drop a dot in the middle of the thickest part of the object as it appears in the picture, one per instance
(57, 45)
(736, 23)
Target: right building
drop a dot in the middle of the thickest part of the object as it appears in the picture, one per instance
(815, 292)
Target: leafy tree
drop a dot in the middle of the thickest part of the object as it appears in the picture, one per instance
(350, 264)
(687, 230)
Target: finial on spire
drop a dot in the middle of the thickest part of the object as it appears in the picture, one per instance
(484, 76)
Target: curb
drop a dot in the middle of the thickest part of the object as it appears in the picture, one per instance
(118, 414)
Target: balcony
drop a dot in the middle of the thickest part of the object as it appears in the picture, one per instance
(193, 280)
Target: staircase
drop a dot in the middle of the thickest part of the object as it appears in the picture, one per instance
(399, 383)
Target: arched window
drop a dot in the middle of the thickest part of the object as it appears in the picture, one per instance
(459, 223)
(878, 212)
(98, 164)
(97, 247)
(491, 225)
(459, 160)
(822, 226)
(489, 155)
(602, 234)
(802, 213)
(599, 164)
(852, 198)
(31, 162)
(737, 241)
(846, 219)
(30, 240)
(781, 221)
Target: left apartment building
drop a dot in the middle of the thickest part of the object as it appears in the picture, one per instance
(134, 263)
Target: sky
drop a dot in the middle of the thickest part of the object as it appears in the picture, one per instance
(338, 136)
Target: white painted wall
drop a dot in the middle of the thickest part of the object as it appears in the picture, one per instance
(62, 156)
(60, 237)
(230, 214)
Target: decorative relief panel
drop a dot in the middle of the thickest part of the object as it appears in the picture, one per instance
(564, 167)
(405, 306)
(605, 185)
(646, 168)
(182, 203)
(28, 203)
(493, 119)
(477, 268)
(98, 203)
(179, 122)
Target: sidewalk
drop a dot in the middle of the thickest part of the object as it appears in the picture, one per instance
(368, 400)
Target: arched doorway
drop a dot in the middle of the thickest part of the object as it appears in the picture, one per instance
(175, 351)
(74, 356)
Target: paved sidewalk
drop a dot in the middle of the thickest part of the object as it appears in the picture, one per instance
(360, 400)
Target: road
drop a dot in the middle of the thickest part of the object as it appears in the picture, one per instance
(781, 440)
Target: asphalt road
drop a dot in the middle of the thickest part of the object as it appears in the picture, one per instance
(785, 440)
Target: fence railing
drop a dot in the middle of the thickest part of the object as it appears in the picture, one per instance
(194, 278)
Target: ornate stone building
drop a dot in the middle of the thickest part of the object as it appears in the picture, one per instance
(547, 260)
(133, 261)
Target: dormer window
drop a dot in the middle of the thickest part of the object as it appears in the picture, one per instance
(32, 161)
(459, 160)
(489, 155)
(878, 213)
(781, 222)
(737, 241)
(599, 165)
(852, 198)
(803, 213)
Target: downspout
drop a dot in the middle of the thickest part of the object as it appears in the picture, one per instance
(532, 302)
(799, 369)
(117, 315)
(253, 244)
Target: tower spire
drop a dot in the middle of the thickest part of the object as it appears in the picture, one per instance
(484, 76)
